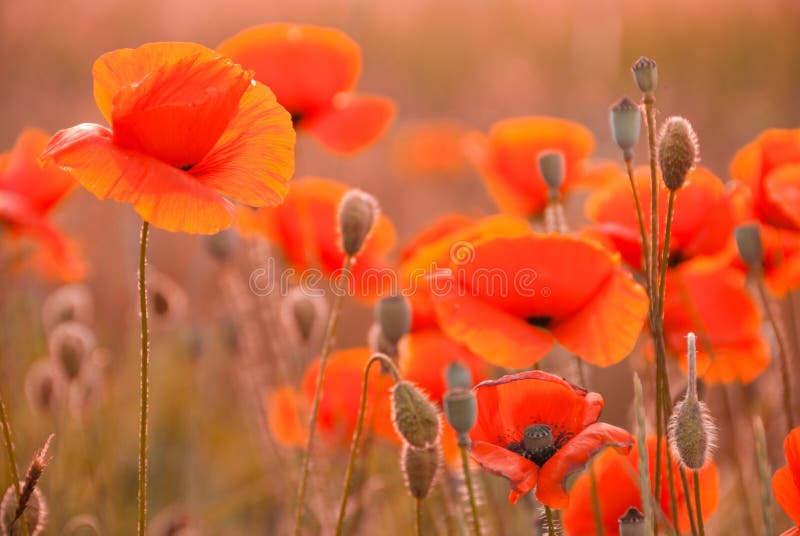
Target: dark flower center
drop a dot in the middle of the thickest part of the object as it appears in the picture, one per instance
(160, 303)
(539, 321)
(675, 258)
(537, 444)
(296, 118)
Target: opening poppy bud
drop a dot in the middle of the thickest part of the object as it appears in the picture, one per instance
(420, 468)
(748, 242)
(70, 345)
(645, 73)
(393, 315)
(632, 523)
(677, 151)
(414, 416)
(461, 410)
(221, 245)
(35, 512)
(626, 125)
(357, 214)
(691, 430)
(457, 376)
(551, 166)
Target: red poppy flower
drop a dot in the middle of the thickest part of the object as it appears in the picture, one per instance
(305, 229)
(770, 167)
(536, 430)
(786, 480)
(510, 299)
(433, 149)
(617, 478)
(28, 192)
(508, 160)
(313, 72)
(191, 131)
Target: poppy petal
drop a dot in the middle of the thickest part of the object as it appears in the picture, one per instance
(351, 123)
(441, 228)
(282, 407)
(163, 195)
(573, 457)
(786, 493)
(782, 190)
(521, 472)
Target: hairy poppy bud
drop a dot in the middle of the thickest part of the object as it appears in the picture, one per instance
(461, 410)
(414, 416)
(457, 376)
(748, 242)
(70, 303)
(70, 345)
(35, 512)
(357, 214)
(632, 523)
(43, 386)
(393, 315)
(420, 468)
(645, 72)
(691, 430)
(677, 151)
(551, 166)
(626, 125)
(303, 314)
(221, 245)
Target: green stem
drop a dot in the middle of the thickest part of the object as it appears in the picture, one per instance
(8, 439)
(476, 523)
(145, 356)
(551, 529)
(687, 497)
(698, 508)
(333, 321)
(640, 218)
(351, 461)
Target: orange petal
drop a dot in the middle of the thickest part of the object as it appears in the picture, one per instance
(351, 123)
(787, 493)
(782, 191)
(521, 472)
(163, 195)
(441, 228)
(304, 65)
(285, 423)
(573, 457)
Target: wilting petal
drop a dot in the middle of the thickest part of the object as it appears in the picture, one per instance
(304, 65)
(521, 472)
(351, 123)
(573, 457)
(163, 195)
(283, 407)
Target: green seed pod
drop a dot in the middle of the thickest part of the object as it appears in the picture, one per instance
(626, 125)
(420, 468)
(632, 523)
(393, 315)
(645, 73)
(457, 376)
(551, 166)
(357, 214)
(461, 410)
(748, 242)
(677, 151)
(414, 416)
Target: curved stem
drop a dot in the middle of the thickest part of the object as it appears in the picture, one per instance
(473, 504)
(143, 388)
(8, 439)
(333, 321)
(551, 529)
(698, 508)
(351, 461)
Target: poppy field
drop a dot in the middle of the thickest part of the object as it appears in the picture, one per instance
(417, 268)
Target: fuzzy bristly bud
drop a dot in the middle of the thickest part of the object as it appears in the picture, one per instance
(420, 467)
(677, 151)
(626, 125)
(43, 386)
(457, 376)
(461, 410)
(70, 345)
(358, 212)
(70, 303)
(632, 523)
(551, 166)
(35, 513)
(748, 242)
(691, 431)
(415, 417)
(222, 245)
(645, 73)
(393, 315)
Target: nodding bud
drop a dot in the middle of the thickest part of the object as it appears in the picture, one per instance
(748, 242)
(677, 151)
(420, 468)
(393, 315)
(632, 523)
(70, 303)
(70, 345)
(43, 386)
(457, 376)
(303, 315)
(35, 512)
(357, 214)
(551, 166)
(461, 410)
(645, 72)
(414, 416)
(221, 245)
(626, 125)
(691, 430)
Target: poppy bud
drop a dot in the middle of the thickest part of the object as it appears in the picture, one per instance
(357, 214)
(173, 520)
(551, 166)
(457, 376)
(43, 386)
(221, 245)
(420, 468)
(677, 151)
(393, 315)
(691, 430)
(70, 303)
(379, 343)
(414, 416)
(35, 512)
(645, 72)
(632, 523)
(626, 125)
(70, 345)
(748, 241)
(461, 410)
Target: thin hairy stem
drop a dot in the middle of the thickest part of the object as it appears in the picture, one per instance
(687, 497)
(333, 321)
(473, 504)
(551, 529)
(640, 219)
(418, 517)
(662, 276)
(11, 457)
(698, 507)
(144, 385)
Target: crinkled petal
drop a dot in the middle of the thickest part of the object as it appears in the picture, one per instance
(521, 472)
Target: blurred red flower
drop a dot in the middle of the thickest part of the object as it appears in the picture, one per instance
(617, 479)
(431, 148)
(536, 430)
(786, 480)
(313, 71)
(28, 192)
(191, 131)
